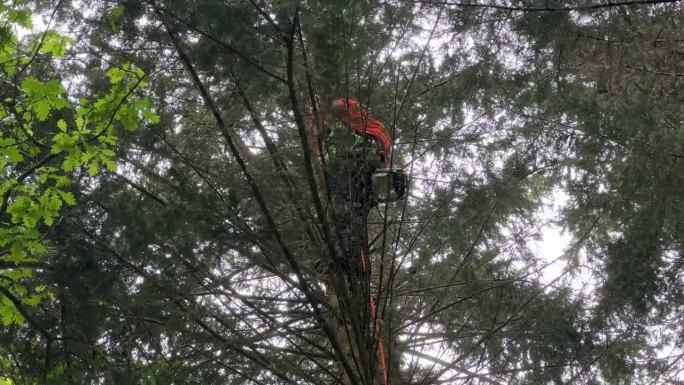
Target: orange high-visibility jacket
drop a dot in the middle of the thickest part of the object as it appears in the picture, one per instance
(349, 110)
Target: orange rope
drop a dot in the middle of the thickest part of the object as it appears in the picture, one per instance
(378, 326)
(362, 259)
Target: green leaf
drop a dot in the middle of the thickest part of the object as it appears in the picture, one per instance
(63, 142)
(13, 153)
(68, 197)
(9, 313)
(93, 168)
(69, 163)
(56, 44)
(108, 153)
(15, 275)
(43, 97)
(79, 122)
(61, 124)
(112, 19)
(62, 181)
(128, 117)
(33, 300)
(87, 156)
(42, 109)
(150, 116)
(118, 11)
(116, 75)
(109, 164)
(31, 85)
(19, 207)
(21, 16)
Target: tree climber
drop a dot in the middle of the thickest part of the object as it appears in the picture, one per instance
(357, 154)
(357, 172)
(359, 176)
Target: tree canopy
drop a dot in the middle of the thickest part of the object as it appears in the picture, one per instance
(164, 221)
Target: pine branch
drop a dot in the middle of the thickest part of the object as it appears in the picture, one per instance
(4, 265)
(303, 281)
(141, 189)
(220, 42)
(187, 305)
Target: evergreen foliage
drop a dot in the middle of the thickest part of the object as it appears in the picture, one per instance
(163, 220)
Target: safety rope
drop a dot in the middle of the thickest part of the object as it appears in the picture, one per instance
(378, 326)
